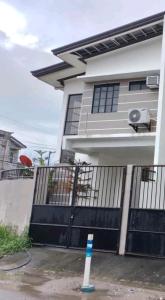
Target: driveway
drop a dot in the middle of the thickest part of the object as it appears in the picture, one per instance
(57, 274)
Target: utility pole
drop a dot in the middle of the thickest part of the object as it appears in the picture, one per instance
(50, 153)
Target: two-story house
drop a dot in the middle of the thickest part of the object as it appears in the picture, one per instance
(9, 150)
(114, 94)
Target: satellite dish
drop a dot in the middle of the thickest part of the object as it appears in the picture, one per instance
(26, 161)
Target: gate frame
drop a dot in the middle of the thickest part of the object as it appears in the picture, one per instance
(122, 200)
(141, 254)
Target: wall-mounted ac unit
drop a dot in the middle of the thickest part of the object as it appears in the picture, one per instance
(152, 82)
(138, 116)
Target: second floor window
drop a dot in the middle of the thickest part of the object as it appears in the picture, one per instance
(137, 85)
(105, 98)
(73, 114)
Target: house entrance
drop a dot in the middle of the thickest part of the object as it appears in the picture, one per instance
(72, 201)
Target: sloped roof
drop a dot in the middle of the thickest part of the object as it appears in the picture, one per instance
(110, 33)
(17, 142)
(74, 55)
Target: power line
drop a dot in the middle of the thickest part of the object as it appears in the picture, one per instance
(40, 144)
(52, 147)
(16, 121)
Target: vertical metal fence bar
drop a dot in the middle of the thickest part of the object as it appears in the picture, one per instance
(106, 191)
(143, 193)
(113, 185)
(148, 185)
(157, 176)
(40, 186)
(134, 187)
(102, 186)
(164, 190)
(152, 191)
(48, 182)
(87, 181)
(110, 187)
(99, 179)
(90, 185)
(121, 169)
(160, 189)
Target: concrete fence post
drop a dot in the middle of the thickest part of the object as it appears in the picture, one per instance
(125, 212)
(34, 181)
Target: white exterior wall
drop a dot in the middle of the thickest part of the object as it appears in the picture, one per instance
(93, 159)
(160, 136)
(16, 198)
(144, 56)
(140, 58)
(125, 156)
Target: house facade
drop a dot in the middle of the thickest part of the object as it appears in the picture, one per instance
(105, 78)
(9, 151)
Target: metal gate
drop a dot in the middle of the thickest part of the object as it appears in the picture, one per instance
(146, 223)
(72, 201)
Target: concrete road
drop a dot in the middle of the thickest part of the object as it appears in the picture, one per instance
(57, 274)
(111, 293)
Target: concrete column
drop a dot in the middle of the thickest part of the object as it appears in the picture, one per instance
(159, 156)
(124, 221)
(34, 181)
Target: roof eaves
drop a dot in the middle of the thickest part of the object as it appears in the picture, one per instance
(110, 33)
(51, 69)
(17, 142)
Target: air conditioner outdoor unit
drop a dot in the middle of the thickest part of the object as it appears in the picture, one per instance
(138, 116)
(152, 82)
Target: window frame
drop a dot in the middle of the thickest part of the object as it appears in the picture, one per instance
(105, 105)
(136, 82)
(67, 110)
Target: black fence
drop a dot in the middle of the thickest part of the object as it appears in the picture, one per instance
(72, 201)
(93, 186)
(17, 173)
(146, 223)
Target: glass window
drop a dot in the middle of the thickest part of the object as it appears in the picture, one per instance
(137, 85)
(73, 114)
(105, 98)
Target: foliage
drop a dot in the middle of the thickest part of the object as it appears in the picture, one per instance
(11, 242)
(40, 159)
(26, 172)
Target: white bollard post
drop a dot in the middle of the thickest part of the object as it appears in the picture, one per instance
(86, 287)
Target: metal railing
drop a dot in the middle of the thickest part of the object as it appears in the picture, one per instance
(92, 186)
(148, 187)
(17, 173)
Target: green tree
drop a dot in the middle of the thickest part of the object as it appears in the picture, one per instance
(41, 160)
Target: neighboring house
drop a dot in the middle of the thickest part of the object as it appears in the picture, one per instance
(104, 77)
(9, 150)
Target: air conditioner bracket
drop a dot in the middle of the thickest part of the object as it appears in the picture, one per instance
(145, 125)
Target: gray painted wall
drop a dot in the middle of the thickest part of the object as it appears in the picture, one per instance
(116, 122)
(16, 198)
(6, 147)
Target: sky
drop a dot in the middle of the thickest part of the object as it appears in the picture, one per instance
(28, 31)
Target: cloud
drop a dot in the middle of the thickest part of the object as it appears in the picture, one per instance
(29, 108)
(14, 26)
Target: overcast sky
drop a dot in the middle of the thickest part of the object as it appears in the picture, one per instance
(29, 29)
